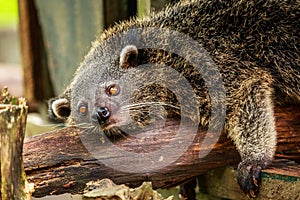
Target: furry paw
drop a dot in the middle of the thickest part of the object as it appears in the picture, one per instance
(249, 177)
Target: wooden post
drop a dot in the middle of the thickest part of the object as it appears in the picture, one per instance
(37, 84)
(13, 115)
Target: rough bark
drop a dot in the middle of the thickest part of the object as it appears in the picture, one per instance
(12, 131)
(59, 162)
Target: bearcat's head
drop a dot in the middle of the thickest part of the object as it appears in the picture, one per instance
(121, 93)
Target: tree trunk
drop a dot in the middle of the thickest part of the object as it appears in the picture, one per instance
(12, 130)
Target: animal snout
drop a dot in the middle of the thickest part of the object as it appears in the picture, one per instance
(101, 114)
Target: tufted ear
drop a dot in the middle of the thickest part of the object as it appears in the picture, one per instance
(59, 109)
(129, 56)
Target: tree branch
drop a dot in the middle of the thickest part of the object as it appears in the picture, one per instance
(59, 162)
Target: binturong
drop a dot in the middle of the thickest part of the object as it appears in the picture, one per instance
(139, 72)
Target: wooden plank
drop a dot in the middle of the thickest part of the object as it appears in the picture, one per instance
(37, 86)
(54, 159)
(54, 35)
(68, 27)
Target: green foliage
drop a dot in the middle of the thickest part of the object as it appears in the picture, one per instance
(8, 13)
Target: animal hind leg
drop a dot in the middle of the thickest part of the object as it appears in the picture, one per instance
(252, 128)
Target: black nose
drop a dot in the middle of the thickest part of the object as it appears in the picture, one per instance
(101, 114)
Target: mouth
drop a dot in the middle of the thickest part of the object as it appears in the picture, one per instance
(114, 122)
(104, 125)
(113, 131)
(109, 125)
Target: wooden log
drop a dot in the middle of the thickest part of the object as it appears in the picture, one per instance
(59, 162)
(12, 132)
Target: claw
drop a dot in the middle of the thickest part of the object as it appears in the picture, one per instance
(255, 182)
(252, 193)
(249, 177)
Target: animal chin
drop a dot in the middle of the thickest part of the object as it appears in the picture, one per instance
(112, 123)
(108, 125)
(113, 131)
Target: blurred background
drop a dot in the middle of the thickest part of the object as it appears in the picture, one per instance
(10, 61)
(43, 42)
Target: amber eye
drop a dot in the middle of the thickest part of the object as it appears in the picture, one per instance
(113, 90)
(83, 108)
